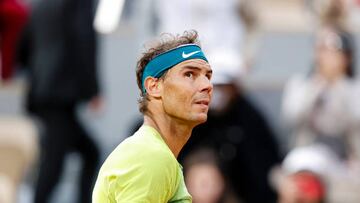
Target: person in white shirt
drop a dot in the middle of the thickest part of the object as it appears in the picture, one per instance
(319, 107)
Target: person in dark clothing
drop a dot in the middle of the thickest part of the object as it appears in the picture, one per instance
(239, 135)
(245, 147)
(59, 49)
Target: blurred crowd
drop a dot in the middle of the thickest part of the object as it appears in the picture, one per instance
(235, 157)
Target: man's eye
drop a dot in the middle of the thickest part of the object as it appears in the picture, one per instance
(209, 76)
(189, 74)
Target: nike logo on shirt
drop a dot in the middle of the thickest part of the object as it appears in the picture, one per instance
(184, 55)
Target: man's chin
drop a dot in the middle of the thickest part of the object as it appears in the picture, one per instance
(202, 118)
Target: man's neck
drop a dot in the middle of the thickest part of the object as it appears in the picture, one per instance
(175, 133)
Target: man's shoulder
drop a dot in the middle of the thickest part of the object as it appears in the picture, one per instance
(139, 168)
(142, 149)
(134, 160)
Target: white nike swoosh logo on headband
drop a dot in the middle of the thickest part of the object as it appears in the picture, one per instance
(189, 54)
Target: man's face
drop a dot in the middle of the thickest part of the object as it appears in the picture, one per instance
(187, 91)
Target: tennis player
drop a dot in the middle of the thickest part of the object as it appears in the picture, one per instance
(174, 79)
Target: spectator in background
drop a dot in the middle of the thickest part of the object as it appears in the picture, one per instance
(237, 133)
(249, 15)
(18, 152)
(315, 174)
(319, 107)
(302, 179)
(13, 16)
(236, 22)
(327, 12)
(58, 48)
(218, 19)
(335, 13)
(204, 180)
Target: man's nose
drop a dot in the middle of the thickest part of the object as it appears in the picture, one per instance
(206, 85)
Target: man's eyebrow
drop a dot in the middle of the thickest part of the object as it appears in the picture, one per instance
(196, 68)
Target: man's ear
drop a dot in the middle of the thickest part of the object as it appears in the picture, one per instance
(153, 86)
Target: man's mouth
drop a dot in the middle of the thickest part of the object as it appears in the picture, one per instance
(203, 102)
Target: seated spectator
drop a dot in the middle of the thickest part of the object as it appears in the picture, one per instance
(318, 107)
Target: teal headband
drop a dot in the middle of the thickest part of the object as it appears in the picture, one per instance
(158, 65)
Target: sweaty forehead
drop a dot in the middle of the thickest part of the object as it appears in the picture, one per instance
(195, 63)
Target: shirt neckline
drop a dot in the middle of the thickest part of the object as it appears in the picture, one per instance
(158, 136)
